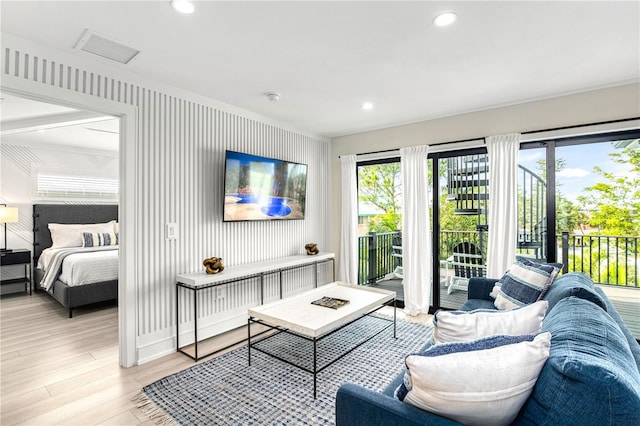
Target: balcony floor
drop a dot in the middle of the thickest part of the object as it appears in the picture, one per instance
(627, 302)
(450, 301)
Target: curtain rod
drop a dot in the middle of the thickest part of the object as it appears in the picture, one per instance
(580, 125)
(523, 133)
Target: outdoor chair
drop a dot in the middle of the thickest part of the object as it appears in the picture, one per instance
(466, 262)
(396, 252)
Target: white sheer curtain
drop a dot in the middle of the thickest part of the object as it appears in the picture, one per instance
(503, 202)
(348, 264)
(416, 239)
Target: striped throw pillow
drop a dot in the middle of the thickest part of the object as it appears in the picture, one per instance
(525, 283)
(96, 239)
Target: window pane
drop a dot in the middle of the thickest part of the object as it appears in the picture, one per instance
(379, 223)
(597, 209)
(463, 208)
(532, 204)
(59, 185)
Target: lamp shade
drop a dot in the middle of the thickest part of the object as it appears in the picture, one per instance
(8, 214)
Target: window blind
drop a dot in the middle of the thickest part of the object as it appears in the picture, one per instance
(60, 185)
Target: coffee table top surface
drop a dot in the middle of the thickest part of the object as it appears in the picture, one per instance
(296, 313)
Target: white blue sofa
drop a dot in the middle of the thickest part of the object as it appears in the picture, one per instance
(592, 375)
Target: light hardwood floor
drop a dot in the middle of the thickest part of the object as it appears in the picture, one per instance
(60, 371)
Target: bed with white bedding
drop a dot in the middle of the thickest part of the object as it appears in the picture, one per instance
(77, 266)
(74, 275)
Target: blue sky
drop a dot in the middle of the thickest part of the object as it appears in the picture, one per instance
(580, 160)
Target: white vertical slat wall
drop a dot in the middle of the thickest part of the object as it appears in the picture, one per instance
(179, 178)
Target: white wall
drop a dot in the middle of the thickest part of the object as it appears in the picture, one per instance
(179, 159)
(614, 103)
(19, 163)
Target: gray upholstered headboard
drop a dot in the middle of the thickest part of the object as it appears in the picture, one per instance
(43, 214)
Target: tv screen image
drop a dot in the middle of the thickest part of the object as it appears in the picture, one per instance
(261, 188)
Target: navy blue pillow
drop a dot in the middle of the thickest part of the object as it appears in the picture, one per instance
(559, 266)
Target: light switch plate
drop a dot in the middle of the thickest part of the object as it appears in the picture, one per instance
(171, 231)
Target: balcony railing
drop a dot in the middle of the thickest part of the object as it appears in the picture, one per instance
(375, 256)
(606, 259)
(612, 260)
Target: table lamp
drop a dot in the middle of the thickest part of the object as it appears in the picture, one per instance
(7, 215)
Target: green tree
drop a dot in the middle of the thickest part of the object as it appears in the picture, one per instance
(568, 215)
(386, 222)
(380, 186)
(449, 221)
(614, 203)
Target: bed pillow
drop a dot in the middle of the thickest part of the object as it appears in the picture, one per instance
(485, 381)
(524, 283)
(70, 235)
(97, 239)
(461, 326)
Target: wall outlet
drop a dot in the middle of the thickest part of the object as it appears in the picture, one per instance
(171, 231)
(221, 292)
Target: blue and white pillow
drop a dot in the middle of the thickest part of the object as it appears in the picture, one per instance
(97, 239)
(460, 380)
(524, 283)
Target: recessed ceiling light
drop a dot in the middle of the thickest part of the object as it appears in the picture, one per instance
(367, 105)
(444, 19)
(182, 6)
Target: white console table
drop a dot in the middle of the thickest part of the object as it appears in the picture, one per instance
(198, 281)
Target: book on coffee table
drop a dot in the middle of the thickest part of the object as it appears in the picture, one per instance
(330, 302)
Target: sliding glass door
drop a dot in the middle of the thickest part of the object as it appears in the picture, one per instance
(460, 237)
(579, 203)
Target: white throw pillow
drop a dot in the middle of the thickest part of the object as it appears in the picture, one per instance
(494, 292)
(484, 382)
(461, 326)
(70, 235)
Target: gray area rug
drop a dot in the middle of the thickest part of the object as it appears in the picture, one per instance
(226, 391)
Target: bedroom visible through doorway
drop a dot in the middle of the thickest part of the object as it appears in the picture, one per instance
(68, 157)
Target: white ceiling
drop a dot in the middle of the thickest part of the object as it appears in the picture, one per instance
(30, 123)
(328, 57)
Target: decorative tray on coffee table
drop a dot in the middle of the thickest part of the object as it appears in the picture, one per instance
(330, 302)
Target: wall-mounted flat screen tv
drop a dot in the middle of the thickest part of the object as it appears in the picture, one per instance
(260, 188)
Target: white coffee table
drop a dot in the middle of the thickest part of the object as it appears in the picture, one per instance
(299, 317)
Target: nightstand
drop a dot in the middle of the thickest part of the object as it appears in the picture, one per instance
(18, 257)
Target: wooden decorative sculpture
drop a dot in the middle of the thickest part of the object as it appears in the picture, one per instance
(213, 265)
(312, 248)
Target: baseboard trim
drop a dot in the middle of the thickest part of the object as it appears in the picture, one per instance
(167, 345)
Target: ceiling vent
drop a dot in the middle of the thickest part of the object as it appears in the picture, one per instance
(104, 47)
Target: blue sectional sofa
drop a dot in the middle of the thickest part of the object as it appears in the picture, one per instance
(592, 375)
